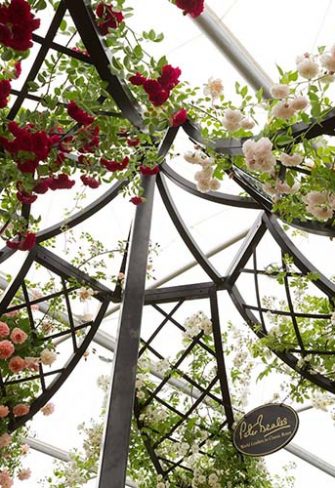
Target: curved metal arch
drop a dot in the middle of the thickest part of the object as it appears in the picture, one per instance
(74, 220)
(65, 271)
(212, 196)
(287, 245)
(83, 214)
(184, 232)
(288, 358)
(269, 222)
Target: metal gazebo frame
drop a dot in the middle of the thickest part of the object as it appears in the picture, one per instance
(121, 406)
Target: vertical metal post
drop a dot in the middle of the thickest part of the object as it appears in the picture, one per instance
(113, 463)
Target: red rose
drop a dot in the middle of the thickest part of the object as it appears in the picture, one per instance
(179, 118)
(137, 79)
(26, 198)
(136, 200)
(27, 166)
(4, 92)
(145, 170)
(17, 24)
(157, 94)
(110, 19)
(40, 144)
(78, 114)
(158, 90)
(17, 69)
(42, 185)
(192, 7)
(114, 165)
(24, 243)
(14, 128)
(60, 158)
(169, 77)
(90, 181)
(92, 139)
(158, 99)
(65, 144)
(152, 87)
(135, 141)
(61, 182)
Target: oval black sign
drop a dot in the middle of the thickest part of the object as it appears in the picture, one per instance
(265, 429)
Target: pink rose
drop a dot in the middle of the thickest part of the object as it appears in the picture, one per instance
(4, 329)
(16, 364)
(5, 479)
(4, 411)
(48, 357)
(24, 449)
(12, 314)
(6, 349)
(5, 440)
(18, 336)
(48, 409)
(24, 474)
(21, 409)
(32, 363)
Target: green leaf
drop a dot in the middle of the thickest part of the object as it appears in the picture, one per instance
(63, 25)
(284, 139)
(138, 52)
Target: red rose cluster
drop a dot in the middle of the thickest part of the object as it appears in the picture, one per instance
(192, 7)
(114, 165)
(17, 24)
(59, 182)
(78, 114)
(90, 181)
(37, 144)
(108, 18)
(158, 90)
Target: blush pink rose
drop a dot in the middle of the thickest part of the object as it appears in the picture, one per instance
(5, 440)
(18, 336)
(12, 314)
(4, 411)
(24, 474)
(5, 479)
(4, 329)
(6, 349)
(32, 363)
(21, 409)
(48, 409)
(16, 364)
(48, 357)
(24, 449)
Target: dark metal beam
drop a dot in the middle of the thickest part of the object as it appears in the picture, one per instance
(121, 399)
(254, 236)
(221, 366)
(184, 232)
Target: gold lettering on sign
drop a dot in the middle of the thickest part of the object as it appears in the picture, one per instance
(259, 427)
